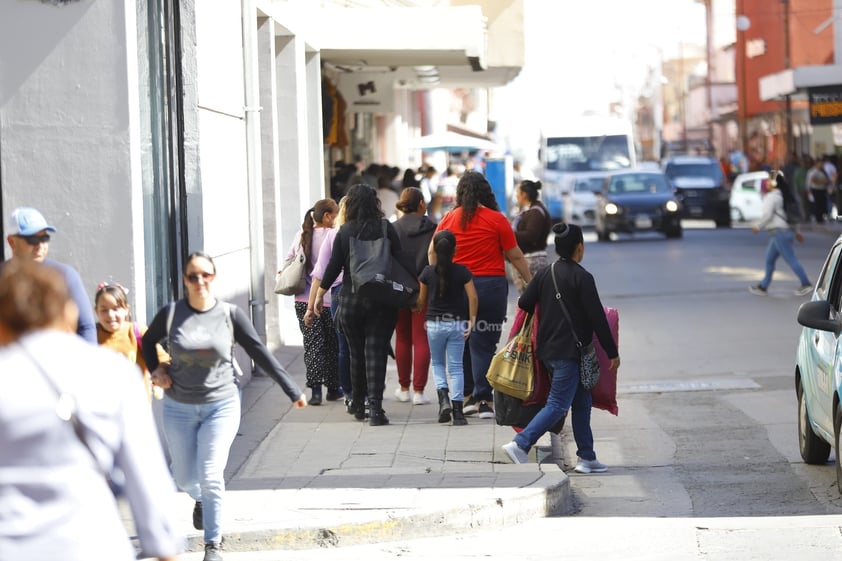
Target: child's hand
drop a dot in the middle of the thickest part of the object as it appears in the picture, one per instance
(301, 402)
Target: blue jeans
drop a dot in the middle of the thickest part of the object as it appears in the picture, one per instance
(565, 392)
(493, 294)
(199, 437)
(447, 342)
(344, 353)
(780, 245)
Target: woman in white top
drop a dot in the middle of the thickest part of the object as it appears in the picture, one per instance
(320, 344)
(774, 220)
(77, 412)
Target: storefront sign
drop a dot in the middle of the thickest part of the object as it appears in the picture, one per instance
(825, 104)
(368, 92)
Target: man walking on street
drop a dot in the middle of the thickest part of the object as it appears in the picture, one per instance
(29, 238)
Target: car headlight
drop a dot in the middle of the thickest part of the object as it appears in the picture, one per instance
(612, 208)
(671, 206)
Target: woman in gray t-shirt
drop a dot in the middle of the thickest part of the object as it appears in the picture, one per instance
(201, 399)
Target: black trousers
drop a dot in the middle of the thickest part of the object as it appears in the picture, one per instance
(368, 327)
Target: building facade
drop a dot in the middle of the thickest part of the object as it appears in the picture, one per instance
(145, 130)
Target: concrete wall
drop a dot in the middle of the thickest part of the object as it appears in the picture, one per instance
(68, 106)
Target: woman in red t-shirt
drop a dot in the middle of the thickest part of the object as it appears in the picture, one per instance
(484, 241)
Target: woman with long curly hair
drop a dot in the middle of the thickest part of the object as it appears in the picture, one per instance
(484, 241)
(320, 345)
(368, 325)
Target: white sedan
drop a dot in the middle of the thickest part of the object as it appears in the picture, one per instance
(746, 196)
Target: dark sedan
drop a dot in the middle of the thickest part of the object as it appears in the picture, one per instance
(637, 201)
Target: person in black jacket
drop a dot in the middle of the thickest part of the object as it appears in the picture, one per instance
(412, 351)
(556, 346)
(367, 324)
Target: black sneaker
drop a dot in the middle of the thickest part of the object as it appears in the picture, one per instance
(197, 516)
(317, 397)
(485, 410)
(213, 552)
(470, 407)
(758, 290)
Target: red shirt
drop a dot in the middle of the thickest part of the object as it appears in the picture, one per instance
(480, 246)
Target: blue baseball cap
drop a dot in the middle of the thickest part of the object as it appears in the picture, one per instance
(26, 221)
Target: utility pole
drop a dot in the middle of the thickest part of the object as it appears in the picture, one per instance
(787, 66)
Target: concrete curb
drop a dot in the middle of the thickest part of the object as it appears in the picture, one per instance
(420, 515)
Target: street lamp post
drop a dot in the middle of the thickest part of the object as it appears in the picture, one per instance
(743, 23)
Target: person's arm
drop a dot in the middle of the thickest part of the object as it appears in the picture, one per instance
(431, 253)
(473, 304)
(529, 298)
(154, 334)
(159, 370)
(421, 302)
(596, 316)
(86, 326)
(337, 259)
(246, 336)
(518, 261)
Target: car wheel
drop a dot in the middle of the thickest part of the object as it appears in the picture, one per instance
(837, 429)
(676, 232)
(737, 215)
(723, 222)
(813, 449)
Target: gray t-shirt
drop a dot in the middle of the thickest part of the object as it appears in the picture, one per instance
(201, 347)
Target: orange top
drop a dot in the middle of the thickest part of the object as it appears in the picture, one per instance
(481, 244)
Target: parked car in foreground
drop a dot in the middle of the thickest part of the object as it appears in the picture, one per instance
(701, 187)
(818, 367)
(637, 201)
(747, 196)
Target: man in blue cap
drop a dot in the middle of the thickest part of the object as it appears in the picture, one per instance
(29, 238)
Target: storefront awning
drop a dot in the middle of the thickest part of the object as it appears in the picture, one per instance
(794, 80)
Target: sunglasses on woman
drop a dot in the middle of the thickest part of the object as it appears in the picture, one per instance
(194, 277)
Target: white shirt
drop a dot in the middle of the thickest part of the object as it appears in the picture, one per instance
(54, 500)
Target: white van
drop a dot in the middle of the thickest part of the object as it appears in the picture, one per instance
(747, 194)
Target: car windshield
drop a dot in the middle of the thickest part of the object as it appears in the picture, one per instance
(588, 153)
(589, 185)
(709, 170)
(638, 184)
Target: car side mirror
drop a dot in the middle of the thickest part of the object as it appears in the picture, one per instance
(816, 315)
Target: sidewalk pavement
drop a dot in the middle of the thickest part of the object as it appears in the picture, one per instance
(316, 477)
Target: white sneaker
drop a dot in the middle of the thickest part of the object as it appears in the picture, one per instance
(515, 453)
(418, 398)
(804, 290)
(401, 395)
(590, 466)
